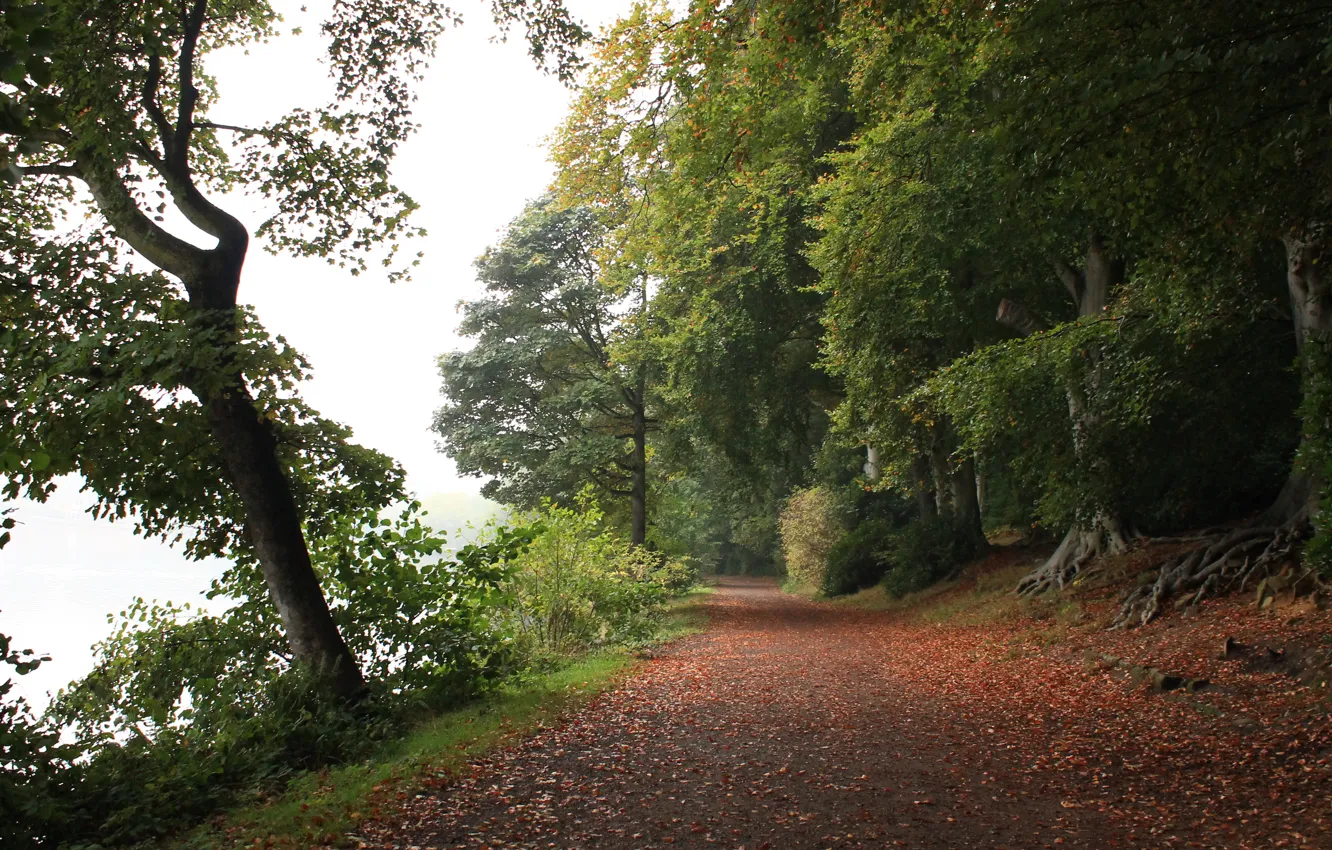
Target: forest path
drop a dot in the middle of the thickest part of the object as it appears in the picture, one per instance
(792, 724)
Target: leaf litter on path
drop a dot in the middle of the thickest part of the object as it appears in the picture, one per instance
(791, 724)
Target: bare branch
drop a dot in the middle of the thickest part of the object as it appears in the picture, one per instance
(1072, 278)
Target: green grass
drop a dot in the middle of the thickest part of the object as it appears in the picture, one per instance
(799, 588)
(987, 599)
(685, 615)
(321, 808)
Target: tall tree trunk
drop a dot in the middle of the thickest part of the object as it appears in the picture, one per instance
(943, 505)
(921, 484)
(966, 506)
(638, 489)
(272, 521)
(274, 528)
(1311, 310)
(1245, 554)
(248, 448)
(1105, 533)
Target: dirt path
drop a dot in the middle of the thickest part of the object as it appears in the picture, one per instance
(796, 725)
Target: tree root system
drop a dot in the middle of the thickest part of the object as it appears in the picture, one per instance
(1224, 563)
(1079, 548)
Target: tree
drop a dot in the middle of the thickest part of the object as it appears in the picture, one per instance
(552, 396)
(175, 406)
(697, 136)
(912, 246)
(1199, 134)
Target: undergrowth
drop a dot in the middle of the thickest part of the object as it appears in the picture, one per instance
(981, 595)
(324, 807)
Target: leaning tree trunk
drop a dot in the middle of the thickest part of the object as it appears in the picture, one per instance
(1231, 560)
(272, 521)
(1105, 533)
(248, 448)
(273, 525)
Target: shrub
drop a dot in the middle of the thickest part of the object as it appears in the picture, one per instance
(810, 525)
(924, 552)
(35, 770)
(856, 560)
(185, 710)
(1225, 375)
(578, 585)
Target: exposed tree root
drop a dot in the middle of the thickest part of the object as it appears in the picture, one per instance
(1225, 563)
(1107, 536)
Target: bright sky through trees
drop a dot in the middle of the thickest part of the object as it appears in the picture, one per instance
(484, 111)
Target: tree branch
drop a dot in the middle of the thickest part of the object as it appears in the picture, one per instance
(169, 253)
(174, 166)
(54, 169)
(1072, 278)
(150, 105)
(189, 93)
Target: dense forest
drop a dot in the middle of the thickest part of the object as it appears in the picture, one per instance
(1049, 266)
(835, 291)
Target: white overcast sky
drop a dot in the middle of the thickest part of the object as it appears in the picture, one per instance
(484, 112)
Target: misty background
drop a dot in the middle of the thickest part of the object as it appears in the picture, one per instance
(484, 111)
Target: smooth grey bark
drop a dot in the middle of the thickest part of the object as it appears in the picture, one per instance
(872, 471)
(1229, 561)
(1089, 288)
(943, 505)
(1311, 311)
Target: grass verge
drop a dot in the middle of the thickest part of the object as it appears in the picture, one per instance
(982, 595)
(684, 615)
(320, 809)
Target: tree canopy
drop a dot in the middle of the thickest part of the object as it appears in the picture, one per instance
(547, 400)
(142, 373)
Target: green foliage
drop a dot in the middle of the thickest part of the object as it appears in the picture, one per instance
(316, 807)
(186, 709)
(36, 779)
(1141, 384)
(697, 134)
(811, 524)
(543, 403)
(856, 560)
(922, 553)
(579, 585)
